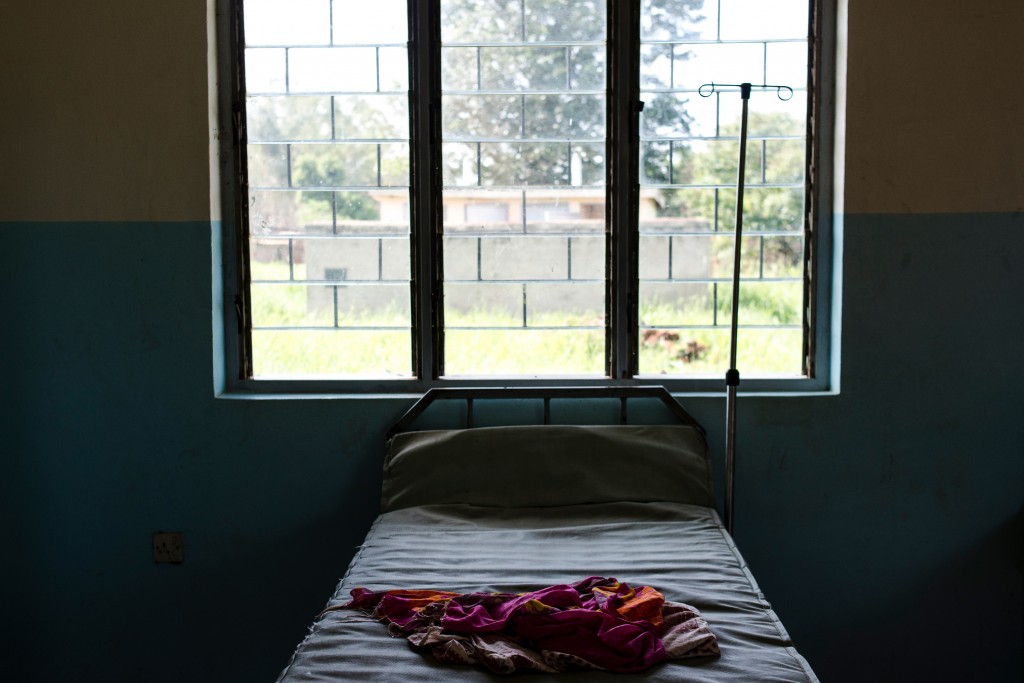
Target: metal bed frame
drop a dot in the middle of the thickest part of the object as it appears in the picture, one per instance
(547, 394)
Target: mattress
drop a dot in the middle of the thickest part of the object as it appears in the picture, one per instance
(679, 548)
(515, 509)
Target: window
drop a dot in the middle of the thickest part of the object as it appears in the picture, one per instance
(465, 190)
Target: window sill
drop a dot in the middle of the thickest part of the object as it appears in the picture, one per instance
(402, 389)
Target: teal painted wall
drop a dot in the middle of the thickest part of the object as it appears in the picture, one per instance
(883, 523)
(871, 518)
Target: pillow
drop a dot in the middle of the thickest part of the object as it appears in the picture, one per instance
(549, 465)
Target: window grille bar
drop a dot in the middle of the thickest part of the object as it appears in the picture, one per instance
(521, 328)
(479, 70)
(671, 64)
(327, 188)
(568, 189)
(671, 162)
(760, 258)
(717, 327)
(334, 123)
(519, 229)
(323, 93)
(707, 280)
(706, 138)
(530, 43)
(335, 141)
(479, 167)
(688, 90)
(721, 186)
(334, 212)
(622, 180)
(817, 192)
(521, 138)
(714, 304)
(321, 46)
(713, 233)
(518, 281)
(333, 283)
(712, 41)
(521, 91)
(287, 70)
(425, 195)
(330, 328)
(717, 200)
(237, 297)
(764, 162)
(390, 236)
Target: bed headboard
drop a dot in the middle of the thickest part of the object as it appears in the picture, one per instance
(547, 464)
(546, 394)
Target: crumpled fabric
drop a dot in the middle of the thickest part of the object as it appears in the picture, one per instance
(596, 623)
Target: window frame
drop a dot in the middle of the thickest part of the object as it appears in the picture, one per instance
(232, 313)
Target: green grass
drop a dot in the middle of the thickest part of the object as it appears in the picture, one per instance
(670, 352)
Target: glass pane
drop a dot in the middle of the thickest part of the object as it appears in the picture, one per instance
(704, 352)
(758, 20)
(677, 304)
(526, 352)
(332, 69)
(480, 21)
(689, 159)
(371, 116)
(328, 158)
(568, 20)
(297, 22)
(721, 63)
(678, 20)
(523, 121)
(389, 22)
(265, 70)
(331, 353)
(288, 118)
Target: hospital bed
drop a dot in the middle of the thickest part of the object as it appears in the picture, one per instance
(513, 508)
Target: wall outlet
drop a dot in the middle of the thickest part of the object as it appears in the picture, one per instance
(168, 546)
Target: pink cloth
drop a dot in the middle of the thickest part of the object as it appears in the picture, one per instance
(595, 623)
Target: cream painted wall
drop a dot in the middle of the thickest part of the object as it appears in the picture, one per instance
(107, 109)
(935, 106)
(106, 113)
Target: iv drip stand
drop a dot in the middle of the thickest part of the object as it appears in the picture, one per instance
(732, 375)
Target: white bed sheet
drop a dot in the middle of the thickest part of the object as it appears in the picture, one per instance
(680, 549)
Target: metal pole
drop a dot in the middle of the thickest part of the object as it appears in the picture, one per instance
(732, 376)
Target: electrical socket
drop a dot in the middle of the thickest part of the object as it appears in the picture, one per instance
(168, 546)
